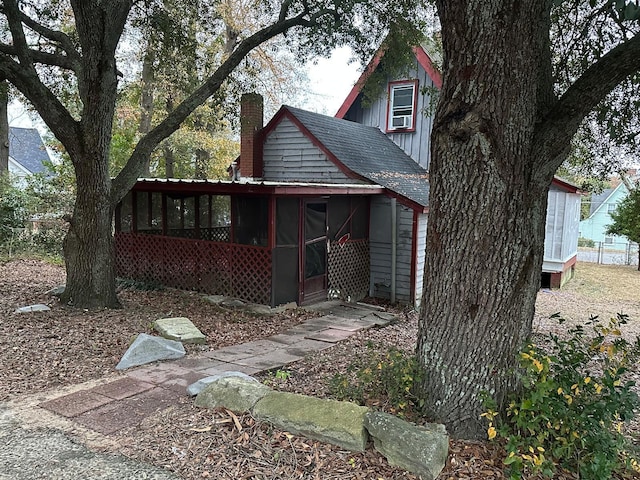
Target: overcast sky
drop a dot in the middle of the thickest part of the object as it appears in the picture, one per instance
(330, 81)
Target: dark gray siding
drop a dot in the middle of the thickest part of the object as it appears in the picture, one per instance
(380, 248)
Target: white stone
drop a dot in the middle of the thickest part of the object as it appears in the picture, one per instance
(38, 307)
(147, 349)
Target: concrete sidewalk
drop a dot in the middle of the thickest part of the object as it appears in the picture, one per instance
(105, 407)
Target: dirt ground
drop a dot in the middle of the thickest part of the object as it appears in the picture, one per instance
(40, 352)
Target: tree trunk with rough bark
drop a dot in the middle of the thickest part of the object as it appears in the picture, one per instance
(499, 135)
(487, 209)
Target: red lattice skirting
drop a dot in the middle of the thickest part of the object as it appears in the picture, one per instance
(240, 271)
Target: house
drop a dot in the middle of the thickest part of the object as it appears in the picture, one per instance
(27, 153)
(317, 206)
(323, 207)
(594, 227)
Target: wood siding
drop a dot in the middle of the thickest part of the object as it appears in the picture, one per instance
(290, 156)
(561, 239)
(380, 248)
(421, 248)
(415, 144)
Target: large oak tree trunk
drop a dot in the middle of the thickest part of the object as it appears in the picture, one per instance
(487, 205)
(88, 246)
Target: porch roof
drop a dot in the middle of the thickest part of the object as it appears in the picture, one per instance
(365, 151)
(253, 187)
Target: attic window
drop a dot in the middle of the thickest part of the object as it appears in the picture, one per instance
(402, 106)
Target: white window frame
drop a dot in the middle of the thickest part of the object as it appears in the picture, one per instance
(406, 114)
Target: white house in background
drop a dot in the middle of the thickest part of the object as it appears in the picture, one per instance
(27, 153)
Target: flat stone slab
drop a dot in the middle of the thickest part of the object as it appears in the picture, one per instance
(128, 412)
(158, 373)
(76, 403)
(235, 353)
(180, 329)
(38, 307)
(195, 388)
(233, 392)
(338, 423)
(147, 349)
(421, 449)
(270, 360)
(123, 388)
(331, 335)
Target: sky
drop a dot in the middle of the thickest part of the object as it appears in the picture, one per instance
(330, 81)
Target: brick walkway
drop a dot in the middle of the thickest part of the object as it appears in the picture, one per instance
(144, 390)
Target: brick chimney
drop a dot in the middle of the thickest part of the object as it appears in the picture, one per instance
(251, 112)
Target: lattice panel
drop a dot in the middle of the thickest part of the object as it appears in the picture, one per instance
(349, 270)
(252, 274)
(216, 234)
(217, 268)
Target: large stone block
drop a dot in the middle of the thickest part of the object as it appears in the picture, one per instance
(419, 449)
(235, 393)
(195, 388)
(179, 328)
(147, 349)
(338, 423)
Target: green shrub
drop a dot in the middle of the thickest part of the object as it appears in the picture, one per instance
(384, 378)
(14, 209)
(572, 404)
(586, 242)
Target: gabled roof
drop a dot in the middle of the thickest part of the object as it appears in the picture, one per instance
(423, 59)
(598, 201)
(27, 149)
(362, 152)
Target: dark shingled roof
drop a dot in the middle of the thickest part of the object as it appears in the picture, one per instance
(26, 148)
(368, 152)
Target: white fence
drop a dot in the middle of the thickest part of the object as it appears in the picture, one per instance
(610, 253)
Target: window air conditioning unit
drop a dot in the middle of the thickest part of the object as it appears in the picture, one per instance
(401, 121)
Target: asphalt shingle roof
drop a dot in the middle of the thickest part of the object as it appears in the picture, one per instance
(368, 152)
(26, 148)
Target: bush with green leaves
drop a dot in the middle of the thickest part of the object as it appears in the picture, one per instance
(14, 209)
(572, 405)
(586, 242)
(384, 377)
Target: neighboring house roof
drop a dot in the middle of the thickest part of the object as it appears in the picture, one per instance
(423, 59)
(364, 151)
(603, 199)
(27, 149)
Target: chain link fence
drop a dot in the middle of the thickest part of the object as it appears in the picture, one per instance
(615, 253)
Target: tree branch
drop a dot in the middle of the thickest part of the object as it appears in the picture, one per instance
(54, 114)
(43, 58)
(553, 134)
(129, 174)
(58, 37)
